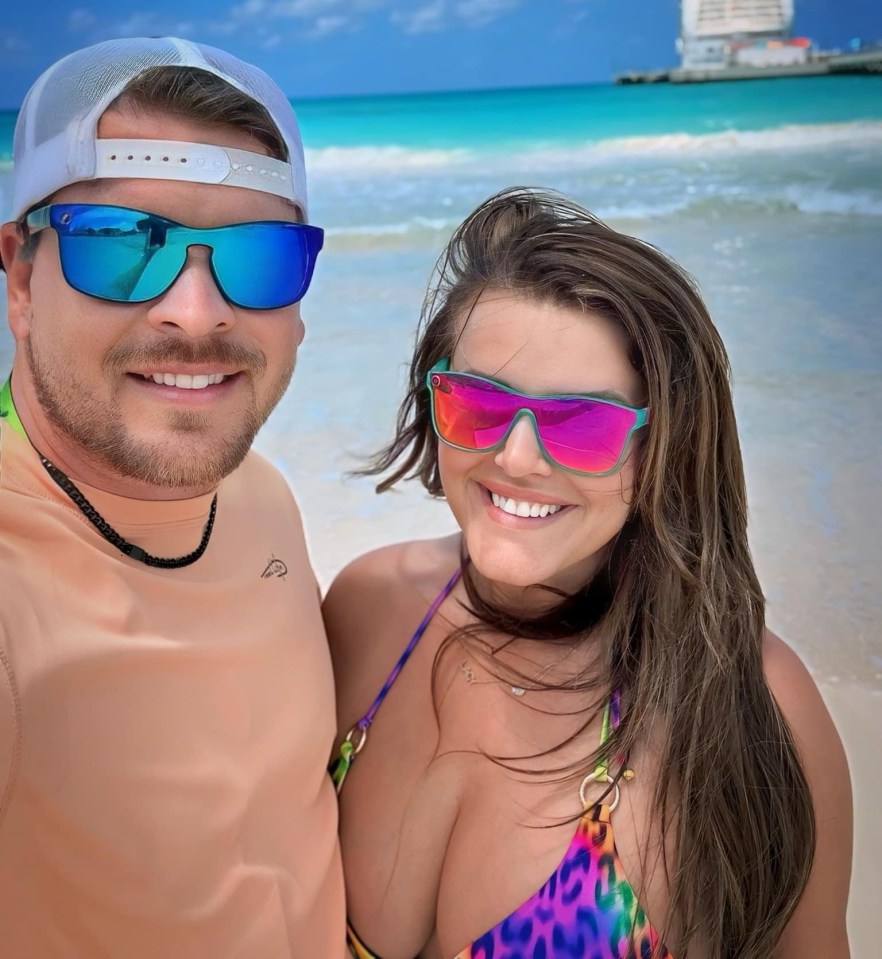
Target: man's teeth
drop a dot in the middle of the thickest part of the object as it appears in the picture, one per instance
(523, 508)
(184, 381)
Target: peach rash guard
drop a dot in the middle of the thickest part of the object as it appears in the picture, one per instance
(163, 732)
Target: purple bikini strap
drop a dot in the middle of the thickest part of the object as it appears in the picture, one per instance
(368, 717)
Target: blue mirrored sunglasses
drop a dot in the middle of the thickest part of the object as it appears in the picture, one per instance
(130, 256)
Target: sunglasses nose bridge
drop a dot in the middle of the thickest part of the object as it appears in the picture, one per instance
(193, 299)
(524, 412)
(213, 253)
(186, 238)
(188, 247)
(518, 454)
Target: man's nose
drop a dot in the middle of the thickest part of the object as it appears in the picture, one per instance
(193, 304)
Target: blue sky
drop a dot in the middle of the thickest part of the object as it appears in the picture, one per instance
(339, 47)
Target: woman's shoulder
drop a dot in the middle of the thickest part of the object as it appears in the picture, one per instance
(380, 576)
(818, 925)
(373, 606)
(804, 710)
(793, 687)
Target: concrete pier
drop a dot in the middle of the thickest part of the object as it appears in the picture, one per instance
(861, 61)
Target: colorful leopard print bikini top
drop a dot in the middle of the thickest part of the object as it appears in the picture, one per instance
(585, 908)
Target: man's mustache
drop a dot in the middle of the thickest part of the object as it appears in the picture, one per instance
(219, 352)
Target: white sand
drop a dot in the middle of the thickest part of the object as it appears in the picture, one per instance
(858, 716)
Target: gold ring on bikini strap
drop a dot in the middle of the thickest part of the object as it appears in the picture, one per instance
(596, 776)
(356, 746)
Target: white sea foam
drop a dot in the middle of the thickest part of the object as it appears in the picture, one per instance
(822, 201)
(642, 211)
(388, 236)
(401, 228)
(364, 160)
(788, 137)
(754, 203)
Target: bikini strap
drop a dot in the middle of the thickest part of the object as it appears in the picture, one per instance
(608, 724)
(600, 774)
(355, 739)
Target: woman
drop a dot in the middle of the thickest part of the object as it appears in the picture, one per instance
(588, 744)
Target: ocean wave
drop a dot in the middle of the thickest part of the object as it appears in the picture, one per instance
(417, 224)
(743, 202)
(380, 159)
(811, 200)
(528, 157)
(417, 227)
(400, 234)
(788, 137)
(834, 202)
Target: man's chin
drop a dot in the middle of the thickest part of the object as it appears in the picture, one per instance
(185, 461)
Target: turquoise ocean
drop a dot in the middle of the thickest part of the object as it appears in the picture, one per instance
(768, 192)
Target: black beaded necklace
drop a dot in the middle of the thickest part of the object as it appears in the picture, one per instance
(111, 535)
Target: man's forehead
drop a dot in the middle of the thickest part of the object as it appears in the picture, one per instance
(122, 121)
(193, 204)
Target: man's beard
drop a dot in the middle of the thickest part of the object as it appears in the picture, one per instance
(97, 426)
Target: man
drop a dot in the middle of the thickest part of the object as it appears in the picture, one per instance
(166, 700)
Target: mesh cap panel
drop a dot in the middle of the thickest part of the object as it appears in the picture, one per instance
(54, 141)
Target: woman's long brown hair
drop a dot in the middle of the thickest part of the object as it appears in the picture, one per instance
(678, 602)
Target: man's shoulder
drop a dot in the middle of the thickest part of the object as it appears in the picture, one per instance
(259, 481)
(257, 466)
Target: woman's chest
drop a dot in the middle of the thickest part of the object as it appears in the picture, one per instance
(450, 821)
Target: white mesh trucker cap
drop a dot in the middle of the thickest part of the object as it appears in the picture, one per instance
(55, 142)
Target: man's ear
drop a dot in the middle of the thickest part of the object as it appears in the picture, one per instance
(18, 279)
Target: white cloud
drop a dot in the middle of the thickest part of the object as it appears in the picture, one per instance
(438, 15)
(13, 43)
(81, 19)
(265, 20)
(324, 26)
(426, 19)
(248, 12)
(317, 18)
(304, 9)
(478, 13)
(137, 25)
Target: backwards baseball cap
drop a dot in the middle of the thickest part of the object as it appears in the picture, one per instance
(56, 136)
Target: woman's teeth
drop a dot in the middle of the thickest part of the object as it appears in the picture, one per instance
(522, 507)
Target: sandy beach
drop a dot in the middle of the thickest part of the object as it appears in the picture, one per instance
(858, 716)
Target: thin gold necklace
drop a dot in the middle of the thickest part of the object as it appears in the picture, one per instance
(465, 667)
